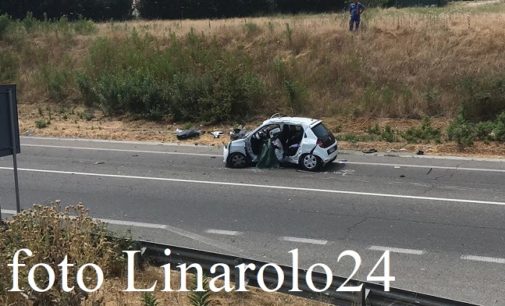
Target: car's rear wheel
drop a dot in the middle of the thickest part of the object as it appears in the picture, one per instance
(237, 160)
(310, 162)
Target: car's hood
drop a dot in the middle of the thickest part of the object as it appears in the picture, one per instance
(240, 141)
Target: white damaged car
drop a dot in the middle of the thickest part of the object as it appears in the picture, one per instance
(302, 141)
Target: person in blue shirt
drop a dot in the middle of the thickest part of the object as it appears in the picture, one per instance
(356, 9)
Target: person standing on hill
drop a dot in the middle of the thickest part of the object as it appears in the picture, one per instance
(356, 9)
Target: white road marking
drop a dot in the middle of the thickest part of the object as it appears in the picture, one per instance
(396, 250)
(304, 240)
(133, 224)
(397, 166)
(158, 143)
(205, 240)
(8, 212)
(218, 183)
(121, 150)
(151, 143)
(223, 232)
(484, 259)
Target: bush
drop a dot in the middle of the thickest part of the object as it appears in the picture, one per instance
(386, 134)
(42, 123)
(4, 25)
(189, 80)
(499, 128)
(423, 133)
(132, 93)
(56, 81)
(52, 233)
(461, 131)
(8, 67)
(484, 98)
(148, 299)
(484, 130)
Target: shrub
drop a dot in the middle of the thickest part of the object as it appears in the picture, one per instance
(4, 25)
(8, 67)
(52, 233)
(86, 88)
(374, 130)
(200, 298)
(499, 128)
(148, 299)
(42, 123)
(461, 131)
(87, 115)
(484, 130)
(132, 93)
(84, 26)
(190, 80)
(423, 133)
(484, 98)
(388, 134)
(56, 81)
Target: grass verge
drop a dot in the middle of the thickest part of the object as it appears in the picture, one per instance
(53, 233)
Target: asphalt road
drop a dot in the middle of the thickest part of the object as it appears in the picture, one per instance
(442, 218)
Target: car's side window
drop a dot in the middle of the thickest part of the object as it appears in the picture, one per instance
(264, 131)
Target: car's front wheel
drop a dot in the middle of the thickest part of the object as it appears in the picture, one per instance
(310, 162)
(237, 160)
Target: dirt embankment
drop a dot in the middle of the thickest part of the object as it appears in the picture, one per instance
(74, 123)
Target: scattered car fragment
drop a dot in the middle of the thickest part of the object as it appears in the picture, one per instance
(217, 134)
(301, 141)
(238, 133)
(186, 134)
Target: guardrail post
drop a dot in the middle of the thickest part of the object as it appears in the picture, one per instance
(362, 295)
(236, 272)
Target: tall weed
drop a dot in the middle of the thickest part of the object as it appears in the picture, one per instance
(52, 233)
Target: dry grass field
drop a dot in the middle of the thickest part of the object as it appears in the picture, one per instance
(403, 65)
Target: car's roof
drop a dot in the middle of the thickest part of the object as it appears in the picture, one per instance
(292, 120)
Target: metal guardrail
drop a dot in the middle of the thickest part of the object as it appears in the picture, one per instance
(371, 294)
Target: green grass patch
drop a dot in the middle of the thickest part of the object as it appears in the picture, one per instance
(191, 79)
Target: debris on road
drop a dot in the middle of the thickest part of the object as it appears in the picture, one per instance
(187, 134)
(369, 151)
(217, 134)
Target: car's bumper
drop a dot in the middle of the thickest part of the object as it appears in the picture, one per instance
(331, 157)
